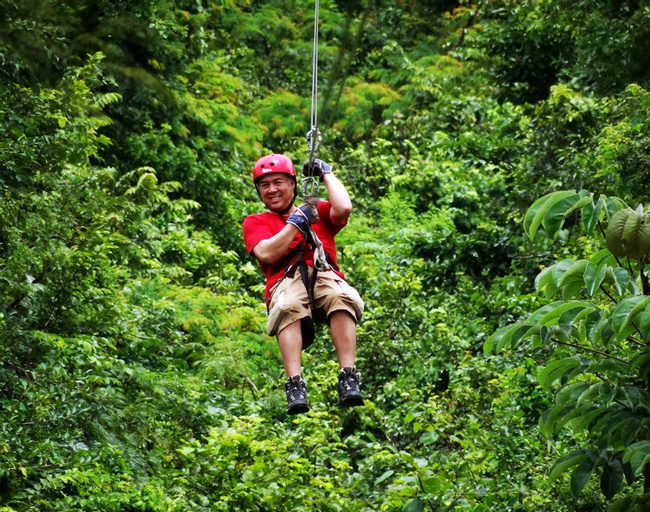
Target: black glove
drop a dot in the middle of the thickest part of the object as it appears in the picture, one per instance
(302, 218)
(310, 209)
(318, 168)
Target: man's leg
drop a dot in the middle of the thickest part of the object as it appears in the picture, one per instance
(344, 336)
(290, 341)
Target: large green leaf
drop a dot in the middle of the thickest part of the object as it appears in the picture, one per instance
(633, 396)
(616, 422)
(588, 395)
(585, 199)
(552, 316)
(637, 455)
(613, 204)
(567, 461)
(627, 311)
(577, 416)
(548, 421)
(641, 363)
(558, 212)
(628, 431)
(608, 365)
(574, 272)
(560, 268)
(621, 221)
(415, 505)
(509, 335)
(603, 333)
(570, 290)
(644, 325)
(385, 475)
(607, 392)
(495, 337)
(628, 234)
(539, 313)
(574, 315)
(571, 392)
(556, 369)
(539, 210)
(594, 320)
(619, 277)
(590, 215)
(603, 257)
(622, 505)
(594, 277)
(582, 473)
(586, 420)
(545, 282)
(612, 477)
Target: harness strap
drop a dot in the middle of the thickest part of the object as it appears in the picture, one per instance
(290, 258)
(301, 265)
(310, 285)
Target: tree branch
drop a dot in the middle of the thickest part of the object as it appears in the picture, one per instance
(634, 340)
(531, 256)
(253, 387)
(589, 349)
(602, 288)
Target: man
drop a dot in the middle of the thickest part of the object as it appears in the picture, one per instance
(303, 282)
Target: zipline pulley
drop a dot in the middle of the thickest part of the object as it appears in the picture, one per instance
(310, 139)
(310, 184)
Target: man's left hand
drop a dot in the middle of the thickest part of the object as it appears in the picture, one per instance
(317, 169)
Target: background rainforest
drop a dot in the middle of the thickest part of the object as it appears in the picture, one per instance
(135, 374)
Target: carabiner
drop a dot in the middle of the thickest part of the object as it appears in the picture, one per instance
(310, 139)
(309, 187)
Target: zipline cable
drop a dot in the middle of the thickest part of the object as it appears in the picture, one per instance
(314, 77)
(309, 184)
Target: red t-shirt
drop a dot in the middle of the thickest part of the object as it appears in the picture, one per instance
(265, 225)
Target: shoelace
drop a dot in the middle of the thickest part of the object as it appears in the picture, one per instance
(349, 380)
(295, 390)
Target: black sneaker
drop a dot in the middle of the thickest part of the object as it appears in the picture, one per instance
(349, 393)
(296, 395)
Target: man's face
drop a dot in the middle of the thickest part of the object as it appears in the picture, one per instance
(276, 190)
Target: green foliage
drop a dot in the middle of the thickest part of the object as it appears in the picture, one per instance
(602, 385)
(135, 371)
(622, 145)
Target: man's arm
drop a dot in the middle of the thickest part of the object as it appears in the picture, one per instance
(339, 197)
(273, 249)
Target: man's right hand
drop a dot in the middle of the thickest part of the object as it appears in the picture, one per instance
(310, 209)
(302, 218)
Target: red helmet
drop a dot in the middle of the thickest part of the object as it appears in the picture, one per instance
(273, 163)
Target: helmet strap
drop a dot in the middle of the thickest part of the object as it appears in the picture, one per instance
(289, 206)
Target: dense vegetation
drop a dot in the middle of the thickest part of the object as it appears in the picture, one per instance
(487, 146)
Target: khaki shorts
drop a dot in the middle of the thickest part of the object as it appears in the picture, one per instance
(290, 302)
